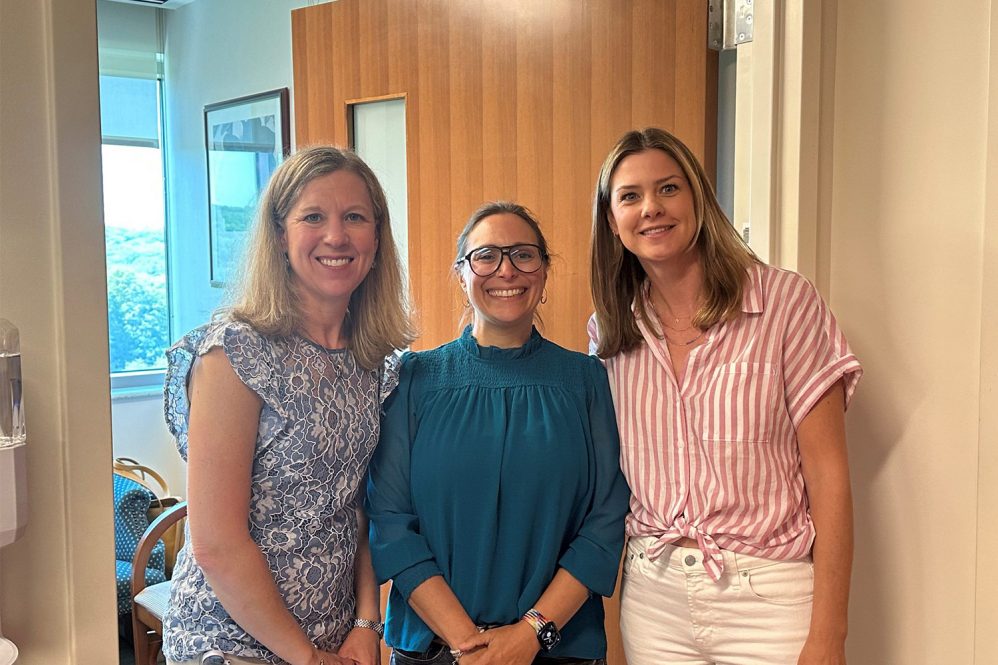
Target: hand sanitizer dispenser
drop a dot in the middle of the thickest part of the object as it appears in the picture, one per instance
(13, 489)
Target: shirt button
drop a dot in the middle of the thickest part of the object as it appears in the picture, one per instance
(690, 559)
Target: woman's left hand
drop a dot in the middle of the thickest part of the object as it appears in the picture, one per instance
(822, 652)
(363, 646)
(515, 644)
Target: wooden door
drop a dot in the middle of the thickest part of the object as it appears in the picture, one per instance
(520, 100)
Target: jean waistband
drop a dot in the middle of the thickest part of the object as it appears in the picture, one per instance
(690, 559)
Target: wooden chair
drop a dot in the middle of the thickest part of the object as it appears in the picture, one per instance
(149, 602)
(173, 539)
(142, 474)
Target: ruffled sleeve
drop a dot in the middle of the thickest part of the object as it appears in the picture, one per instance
(176, 406)
(388, 378)
(249, 354)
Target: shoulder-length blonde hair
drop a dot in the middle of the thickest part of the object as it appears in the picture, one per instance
(377, 320)
(616, 276)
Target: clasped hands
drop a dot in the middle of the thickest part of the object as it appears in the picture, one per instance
(515, 644)
(362, 646)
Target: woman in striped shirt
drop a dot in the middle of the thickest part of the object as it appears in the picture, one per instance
(730, 380)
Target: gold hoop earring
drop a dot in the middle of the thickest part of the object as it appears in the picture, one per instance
(544, 296)
(467, 303)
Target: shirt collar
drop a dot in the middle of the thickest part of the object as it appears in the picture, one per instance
(752, 300)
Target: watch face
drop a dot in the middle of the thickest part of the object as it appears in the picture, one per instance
(548, 636)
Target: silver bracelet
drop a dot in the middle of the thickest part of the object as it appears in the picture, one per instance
(456, 654)
(376, 626)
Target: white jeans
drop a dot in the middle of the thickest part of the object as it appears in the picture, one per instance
(758, 613)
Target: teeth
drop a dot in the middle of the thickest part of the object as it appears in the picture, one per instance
(505, 293)
(656, 230)
(334, 263)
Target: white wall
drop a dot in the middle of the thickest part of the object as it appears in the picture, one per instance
(727, 75)
(57, 582)
(215, 50)
(910, 180)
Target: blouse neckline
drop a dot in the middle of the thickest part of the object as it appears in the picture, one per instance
(468, 342)
(320, 347)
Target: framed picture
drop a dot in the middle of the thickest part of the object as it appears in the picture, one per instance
(245, 140)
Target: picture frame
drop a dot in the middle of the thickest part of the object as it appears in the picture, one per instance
(245, 139)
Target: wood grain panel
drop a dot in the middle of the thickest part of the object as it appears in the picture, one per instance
(498, 74)
(507, 100)
(653, 83)
(312, 93)
(573, 176)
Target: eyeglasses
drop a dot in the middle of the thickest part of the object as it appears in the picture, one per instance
(486, 260)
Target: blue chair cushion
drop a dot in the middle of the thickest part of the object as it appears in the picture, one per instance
(131, 519)
(123, 576)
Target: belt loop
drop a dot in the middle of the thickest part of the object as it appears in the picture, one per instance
(736, 574)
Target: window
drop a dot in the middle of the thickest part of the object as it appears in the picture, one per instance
(377, 134)
(135, 229)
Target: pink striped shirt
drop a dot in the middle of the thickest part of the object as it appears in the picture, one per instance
(715, 459)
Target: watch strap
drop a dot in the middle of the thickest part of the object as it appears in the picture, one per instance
(376, 626)
(546, 630)
(535, 619)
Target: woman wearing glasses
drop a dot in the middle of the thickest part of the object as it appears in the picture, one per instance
(495, 496)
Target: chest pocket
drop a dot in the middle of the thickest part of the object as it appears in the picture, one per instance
(739, 403)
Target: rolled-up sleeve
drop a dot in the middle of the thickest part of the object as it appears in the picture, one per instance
(593, 555)
(815, 353)
(399, 552)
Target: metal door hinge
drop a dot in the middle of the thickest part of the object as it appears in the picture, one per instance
(729, 23)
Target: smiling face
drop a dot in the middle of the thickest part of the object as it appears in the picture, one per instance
(652, 208)
(331, 239)
(503, 302)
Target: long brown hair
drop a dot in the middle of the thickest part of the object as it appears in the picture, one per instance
(616, 276)
(377, 320)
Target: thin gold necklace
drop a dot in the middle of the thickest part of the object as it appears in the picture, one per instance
(686, 343)
(678, 330)
(651, 302)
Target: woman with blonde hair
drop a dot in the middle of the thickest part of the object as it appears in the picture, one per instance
(730, 380)
(276, 406)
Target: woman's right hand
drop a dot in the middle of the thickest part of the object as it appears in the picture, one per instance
(329, 658)
(515, 644)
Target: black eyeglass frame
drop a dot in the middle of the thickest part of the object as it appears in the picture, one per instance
(504, 252)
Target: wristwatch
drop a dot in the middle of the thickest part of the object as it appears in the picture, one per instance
(547, 631)
(376, 626)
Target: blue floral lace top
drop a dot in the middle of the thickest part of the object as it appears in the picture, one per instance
(318, 427)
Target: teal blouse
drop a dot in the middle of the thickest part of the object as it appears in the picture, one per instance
(495, 468)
